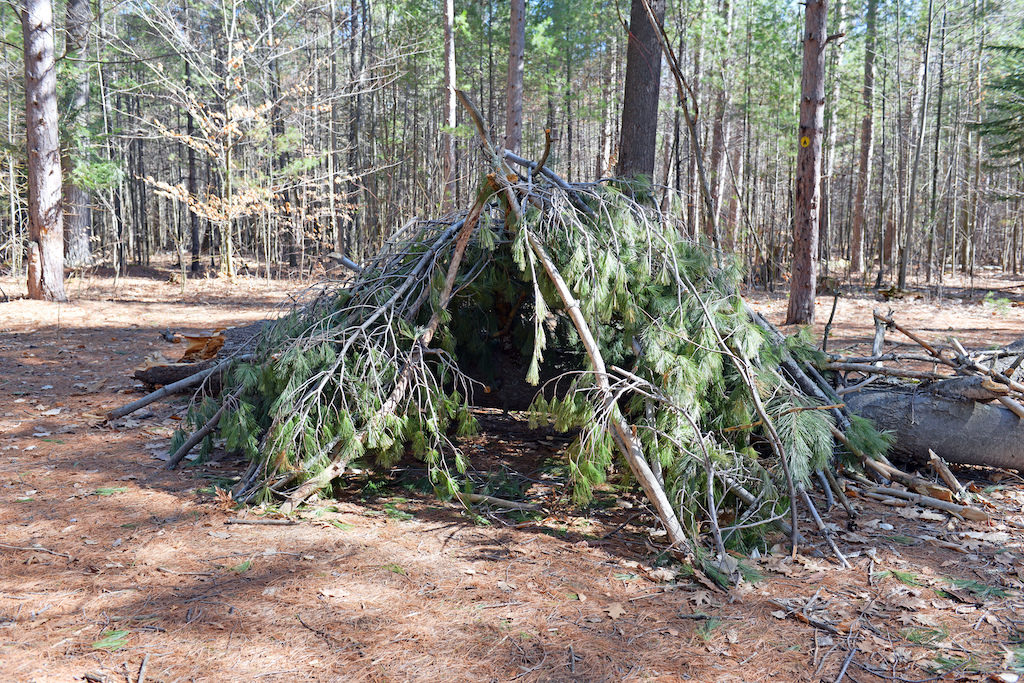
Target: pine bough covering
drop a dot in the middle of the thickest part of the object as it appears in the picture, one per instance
(346, 375)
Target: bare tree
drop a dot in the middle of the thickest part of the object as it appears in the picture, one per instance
(808, 170)
(46, 221)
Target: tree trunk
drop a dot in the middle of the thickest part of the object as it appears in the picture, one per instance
(638, 137)
(922, 105)
(959, 430)
(449, 106)
(514, 85)
(866, 143)
(46, 222)
(808, 178)
(77, 211)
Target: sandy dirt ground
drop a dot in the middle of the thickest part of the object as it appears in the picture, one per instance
(110, 565)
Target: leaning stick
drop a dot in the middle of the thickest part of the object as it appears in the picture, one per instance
(199, 434)
(620, 432)
(822, 528)
(478, 498)
(174, 388)
(942, 469)
(624, 439)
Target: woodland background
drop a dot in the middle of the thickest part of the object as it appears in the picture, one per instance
(285, 130)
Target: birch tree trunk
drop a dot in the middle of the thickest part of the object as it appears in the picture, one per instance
(808, 172)
(46, 221)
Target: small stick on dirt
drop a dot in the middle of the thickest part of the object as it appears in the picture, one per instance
(268, 522)
(142, 670)
(940, 467)
(34, 548)
(823, 529)
(928, 501)
(846, 665)
(800, 616)
(174, 388)
(476, 498)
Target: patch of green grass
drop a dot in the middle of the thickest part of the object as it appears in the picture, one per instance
(341, 525)
(707, 629)
(394, 513)
(924, 636)
(1000, 304)
(111, 641)
(476, 518)
(949, 663)
(903, 577)
(903, 540)
(980, 589)
(526, 515)
(395, 569)
(110, 490)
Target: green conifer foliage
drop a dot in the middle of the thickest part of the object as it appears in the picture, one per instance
(342, 377)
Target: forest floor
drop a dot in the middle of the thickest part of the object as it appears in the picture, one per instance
(109, 563)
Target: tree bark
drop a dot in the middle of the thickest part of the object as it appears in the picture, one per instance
(866, 142)
(77, 209)
(449, 106)
(514, 85)
(808, 179)
(961, 431)
(46, 222)
(638, 137)
(922, 106)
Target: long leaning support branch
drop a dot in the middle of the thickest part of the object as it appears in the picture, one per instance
(620, 432)
(623, 437)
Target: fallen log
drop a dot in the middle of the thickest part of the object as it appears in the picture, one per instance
(961, 431)
(237, 340)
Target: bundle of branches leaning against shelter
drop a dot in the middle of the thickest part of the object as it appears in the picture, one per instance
(650, 356)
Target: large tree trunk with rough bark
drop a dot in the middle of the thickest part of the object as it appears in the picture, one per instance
(639, 133)
(808, 185)
(46, 222)
(959, 430)
(514, 86)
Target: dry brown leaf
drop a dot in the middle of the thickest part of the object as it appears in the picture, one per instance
(615, 610)
(335, 592)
